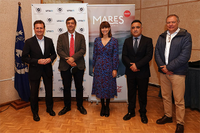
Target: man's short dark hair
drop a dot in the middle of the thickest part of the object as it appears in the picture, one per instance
(71, 18)
(38, 22)
(136, 20)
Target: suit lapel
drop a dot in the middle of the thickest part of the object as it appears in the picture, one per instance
(76, 41)
(45, 45)
(131, 45)
(37, 46)
(141, 43)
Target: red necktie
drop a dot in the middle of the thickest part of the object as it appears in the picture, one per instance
(71, 52)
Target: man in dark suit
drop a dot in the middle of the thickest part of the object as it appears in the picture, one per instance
(136, 54)
(39, 53)
(71, 48)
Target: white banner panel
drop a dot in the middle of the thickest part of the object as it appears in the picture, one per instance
(120, 18)
(54, 17)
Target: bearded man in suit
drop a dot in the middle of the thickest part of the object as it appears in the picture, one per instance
(71, 48)
(136, 54)
(39, 53)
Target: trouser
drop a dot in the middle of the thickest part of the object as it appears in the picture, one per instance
(175, 83)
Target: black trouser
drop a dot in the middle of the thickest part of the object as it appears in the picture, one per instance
(35, 84)
(78, 80)
(141, 85)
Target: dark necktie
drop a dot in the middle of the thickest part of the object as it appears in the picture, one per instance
(71, 52)
(135, 45)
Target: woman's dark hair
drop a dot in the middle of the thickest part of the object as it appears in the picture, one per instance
(104, 24)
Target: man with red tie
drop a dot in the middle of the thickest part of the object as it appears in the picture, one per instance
(71, 48)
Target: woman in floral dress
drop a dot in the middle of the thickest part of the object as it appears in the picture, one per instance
(105, 64)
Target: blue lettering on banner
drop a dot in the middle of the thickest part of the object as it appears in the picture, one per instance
(69, 10)
(60, 20)
(49, 10)
(49, 30)
(81, 20)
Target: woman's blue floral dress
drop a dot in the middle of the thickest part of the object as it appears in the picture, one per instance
(105, 60)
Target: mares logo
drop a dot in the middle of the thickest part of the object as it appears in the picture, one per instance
(127, 13)
(110, 19)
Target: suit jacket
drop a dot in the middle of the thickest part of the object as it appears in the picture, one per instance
(141, 58)
(63, 51)
(32, 53)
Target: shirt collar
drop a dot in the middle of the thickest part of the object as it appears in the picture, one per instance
(39, 39)
(72, 33)
(137, 37)
(174, 32)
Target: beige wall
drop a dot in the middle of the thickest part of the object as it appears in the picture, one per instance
(151, 12)
(8, 26)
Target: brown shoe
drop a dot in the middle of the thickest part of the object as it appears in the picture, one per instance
(179, 128)
(164, 120)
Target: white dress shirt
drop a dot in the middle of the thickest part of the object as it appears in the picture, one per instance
(169, 38)
(41, 43)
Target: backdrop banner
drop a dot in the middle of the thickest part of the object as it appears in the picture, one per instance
(54, 17)
(120, 17)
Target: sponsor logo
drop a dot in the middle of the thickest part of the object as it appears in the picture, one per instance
(127, 13)
(49, 20)
(110, 19)
(60, 30)
(38, 10)
(49, 30)
(61, 89)
(41, 89)
(69, 10)
(60, 10)
(81, 30)
(81, 20)
(49, 10)
(60, 21)
(81, 9)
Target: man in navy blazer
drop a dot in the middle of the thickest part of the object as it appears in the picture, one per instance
(39, 53)
(73, 65)
(136, 55)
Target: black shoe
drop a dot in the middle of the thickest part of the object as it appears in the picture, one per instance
(82, 110)
(64, 110)
(164, 120)
(179, 128)
(107, 112)
(128, 116)
(51, 112)
(102, 113)
(36, 117)
(144, 119)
